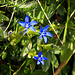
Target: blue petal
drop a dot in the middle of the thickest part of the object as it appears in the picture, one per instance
(33, 22)
(32, 28)
(40, 37)
(38, 62)
(27, 19)
(22, 23)
(44, 58)
(41, 29)
(49, 34)
(45, 28)
(36, 58)
(42, 62)
(26, 31)
(39, 55)
(45, 39)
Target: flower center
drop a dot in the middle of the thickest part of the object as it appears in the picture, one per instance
(43, 33)
(40, 59)
(27, 25)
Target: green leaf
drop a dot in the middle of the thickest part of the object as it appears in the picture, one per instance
(70, 23)
(73, 71)
(4, 69)
(66, 51)
(32, 32)
(17, 37)
(24, 71)
(66, 70)
(40, 15)
(27, 5)
(4, 55)
(40, 72)
(50, 10)
(46, 65)
(3, 17)
(54, 48)
(1, 32)
(48, 46)
(61, 10)
(53, 60)
(72, 5)
(32, 65)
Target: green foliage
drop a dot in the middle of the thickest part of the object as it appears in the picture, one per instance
(1, 32)
(28, 5)
(46, 66)
(40, 72)
(60, 12)
(73, 72)
(2, 35)
(68, 50)
(17, 51)
(4, 55)
(3, 17)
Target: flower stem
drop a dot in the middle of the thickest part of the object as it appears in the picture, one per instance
(11, 17)
(19, 68)
(65, 31)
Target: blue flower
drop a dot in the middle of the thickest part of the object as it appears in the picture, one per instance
(43, 33)
(28, 24)
(40, 59)
(10, 32)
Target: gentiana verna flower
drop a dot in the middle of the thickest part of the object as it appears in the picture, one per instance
(28, 24)
(43, 33)
(40, 59)
(10, 32)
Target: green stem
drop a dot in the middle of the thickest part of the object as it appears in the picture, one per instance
(57, 7)
(11, 17)
(49, 20)
(9, 69)
(34, 12)
(65, 31)
(72, 13)
(53, 69)
(10, 20)
(19, 68)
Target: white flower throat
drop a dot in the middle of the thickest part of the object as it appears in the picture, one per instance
(43, 33)
(40, 58)
(27, 25)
